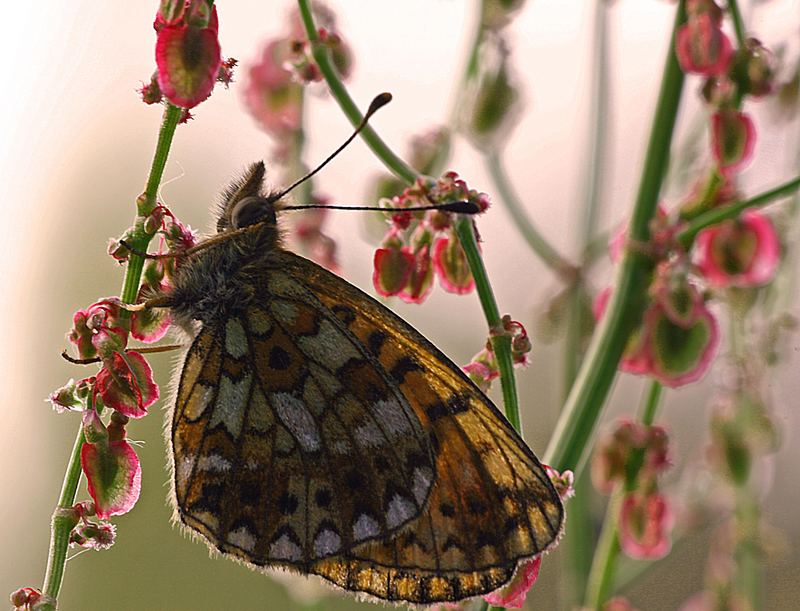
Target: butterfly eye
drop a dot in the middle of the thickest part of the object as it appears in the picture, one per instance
(251, 210)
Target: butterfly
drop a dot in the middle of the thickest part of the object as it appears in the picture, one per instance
(315, 430)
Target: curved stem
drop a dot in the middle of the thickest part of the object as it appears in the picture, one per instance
(501, 343)
(522, 222)
(576, 425)
(320, 52)
(717, 215)
(61, 525)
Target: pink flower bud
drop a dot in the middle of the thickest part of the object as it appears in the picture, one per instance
(645, 525)
(23, 599)
(744, 252)
(753, 69)
(702, 47)
(564, 482)
(733, 138)
(66, 398)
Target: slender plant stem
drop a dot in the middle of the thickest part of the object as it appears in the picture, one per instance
(717, 215)
(604, 564)
(580, 538)
(738, 23)
(501, 343)
(570, 442)
(320, 52)
(516, 209)
(62, 525)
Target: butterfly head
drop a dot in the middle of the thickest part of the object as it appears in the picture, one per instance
(245, 204)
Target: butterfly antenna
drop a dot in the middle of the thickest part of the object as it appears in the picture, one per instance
(380, 101)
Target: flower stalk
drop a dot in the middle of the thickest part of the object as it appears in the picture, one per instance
(61, 527)
(584, 405)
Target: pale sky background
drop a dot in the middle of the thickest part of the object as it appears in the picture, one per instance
(75, 149)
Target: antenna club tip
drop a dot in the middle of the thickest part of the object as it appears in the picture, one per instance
(380, 100)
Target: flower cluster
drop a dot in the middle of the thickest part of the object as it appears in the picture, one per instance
(703, 48)
(631, 459)
(483, 368)
(419, 244)
(188, 55)
(273, 87)
(678, 335)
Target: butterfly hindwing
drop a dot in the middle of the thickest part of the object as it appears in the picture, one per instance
(290, 442)
(491, 503)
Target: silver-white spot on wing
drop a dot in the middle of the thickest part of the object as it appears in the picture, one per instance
(326, 543)
(229, 408)
(392, 417)
(365, 527)
(242, 538)
(295, 416)
(198, 401)
(284, 312)
(329, 346)
(235, 339)
(400, 510)
(285, 549)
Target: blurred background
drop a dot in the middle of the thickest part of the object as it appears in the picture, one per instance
(75, 147)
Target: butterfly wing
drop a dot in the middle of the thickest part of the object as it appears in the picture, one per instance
(291, 443)
(491, 503)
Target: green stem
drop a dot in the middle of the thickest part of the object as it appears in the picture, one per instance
(61, 525)
(738, 23)
(601, 576)
(516, 209)
(501, 343)
(723, 213)
(651, 404)
(579, 417)
(320, 52)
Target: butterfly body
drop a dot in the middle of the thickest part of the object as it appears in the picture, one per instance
(315, 430)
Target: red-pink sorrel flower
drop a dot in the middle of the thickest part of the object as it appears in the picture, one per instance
(126, 384)
(618, 603)
(112, 469)
(611, 463)
(450, 264)
(702, 47)
(512, 595)
(645, 525)
(753, 69)
(420, 281)
(188, 55)
(733, 138)
(741, 252)
(24, 599)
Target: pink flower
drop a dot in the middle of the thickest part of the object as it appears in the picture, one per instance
(392, 267)
(733, 138)
(702, 47)
(743, 252)
(512, 595)
(679, 354)
(450, 264)
(270, 96)
(112, 469)
(618, 603)
(420, 281)
(126, 384)
(645, 524)
(188, 59)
